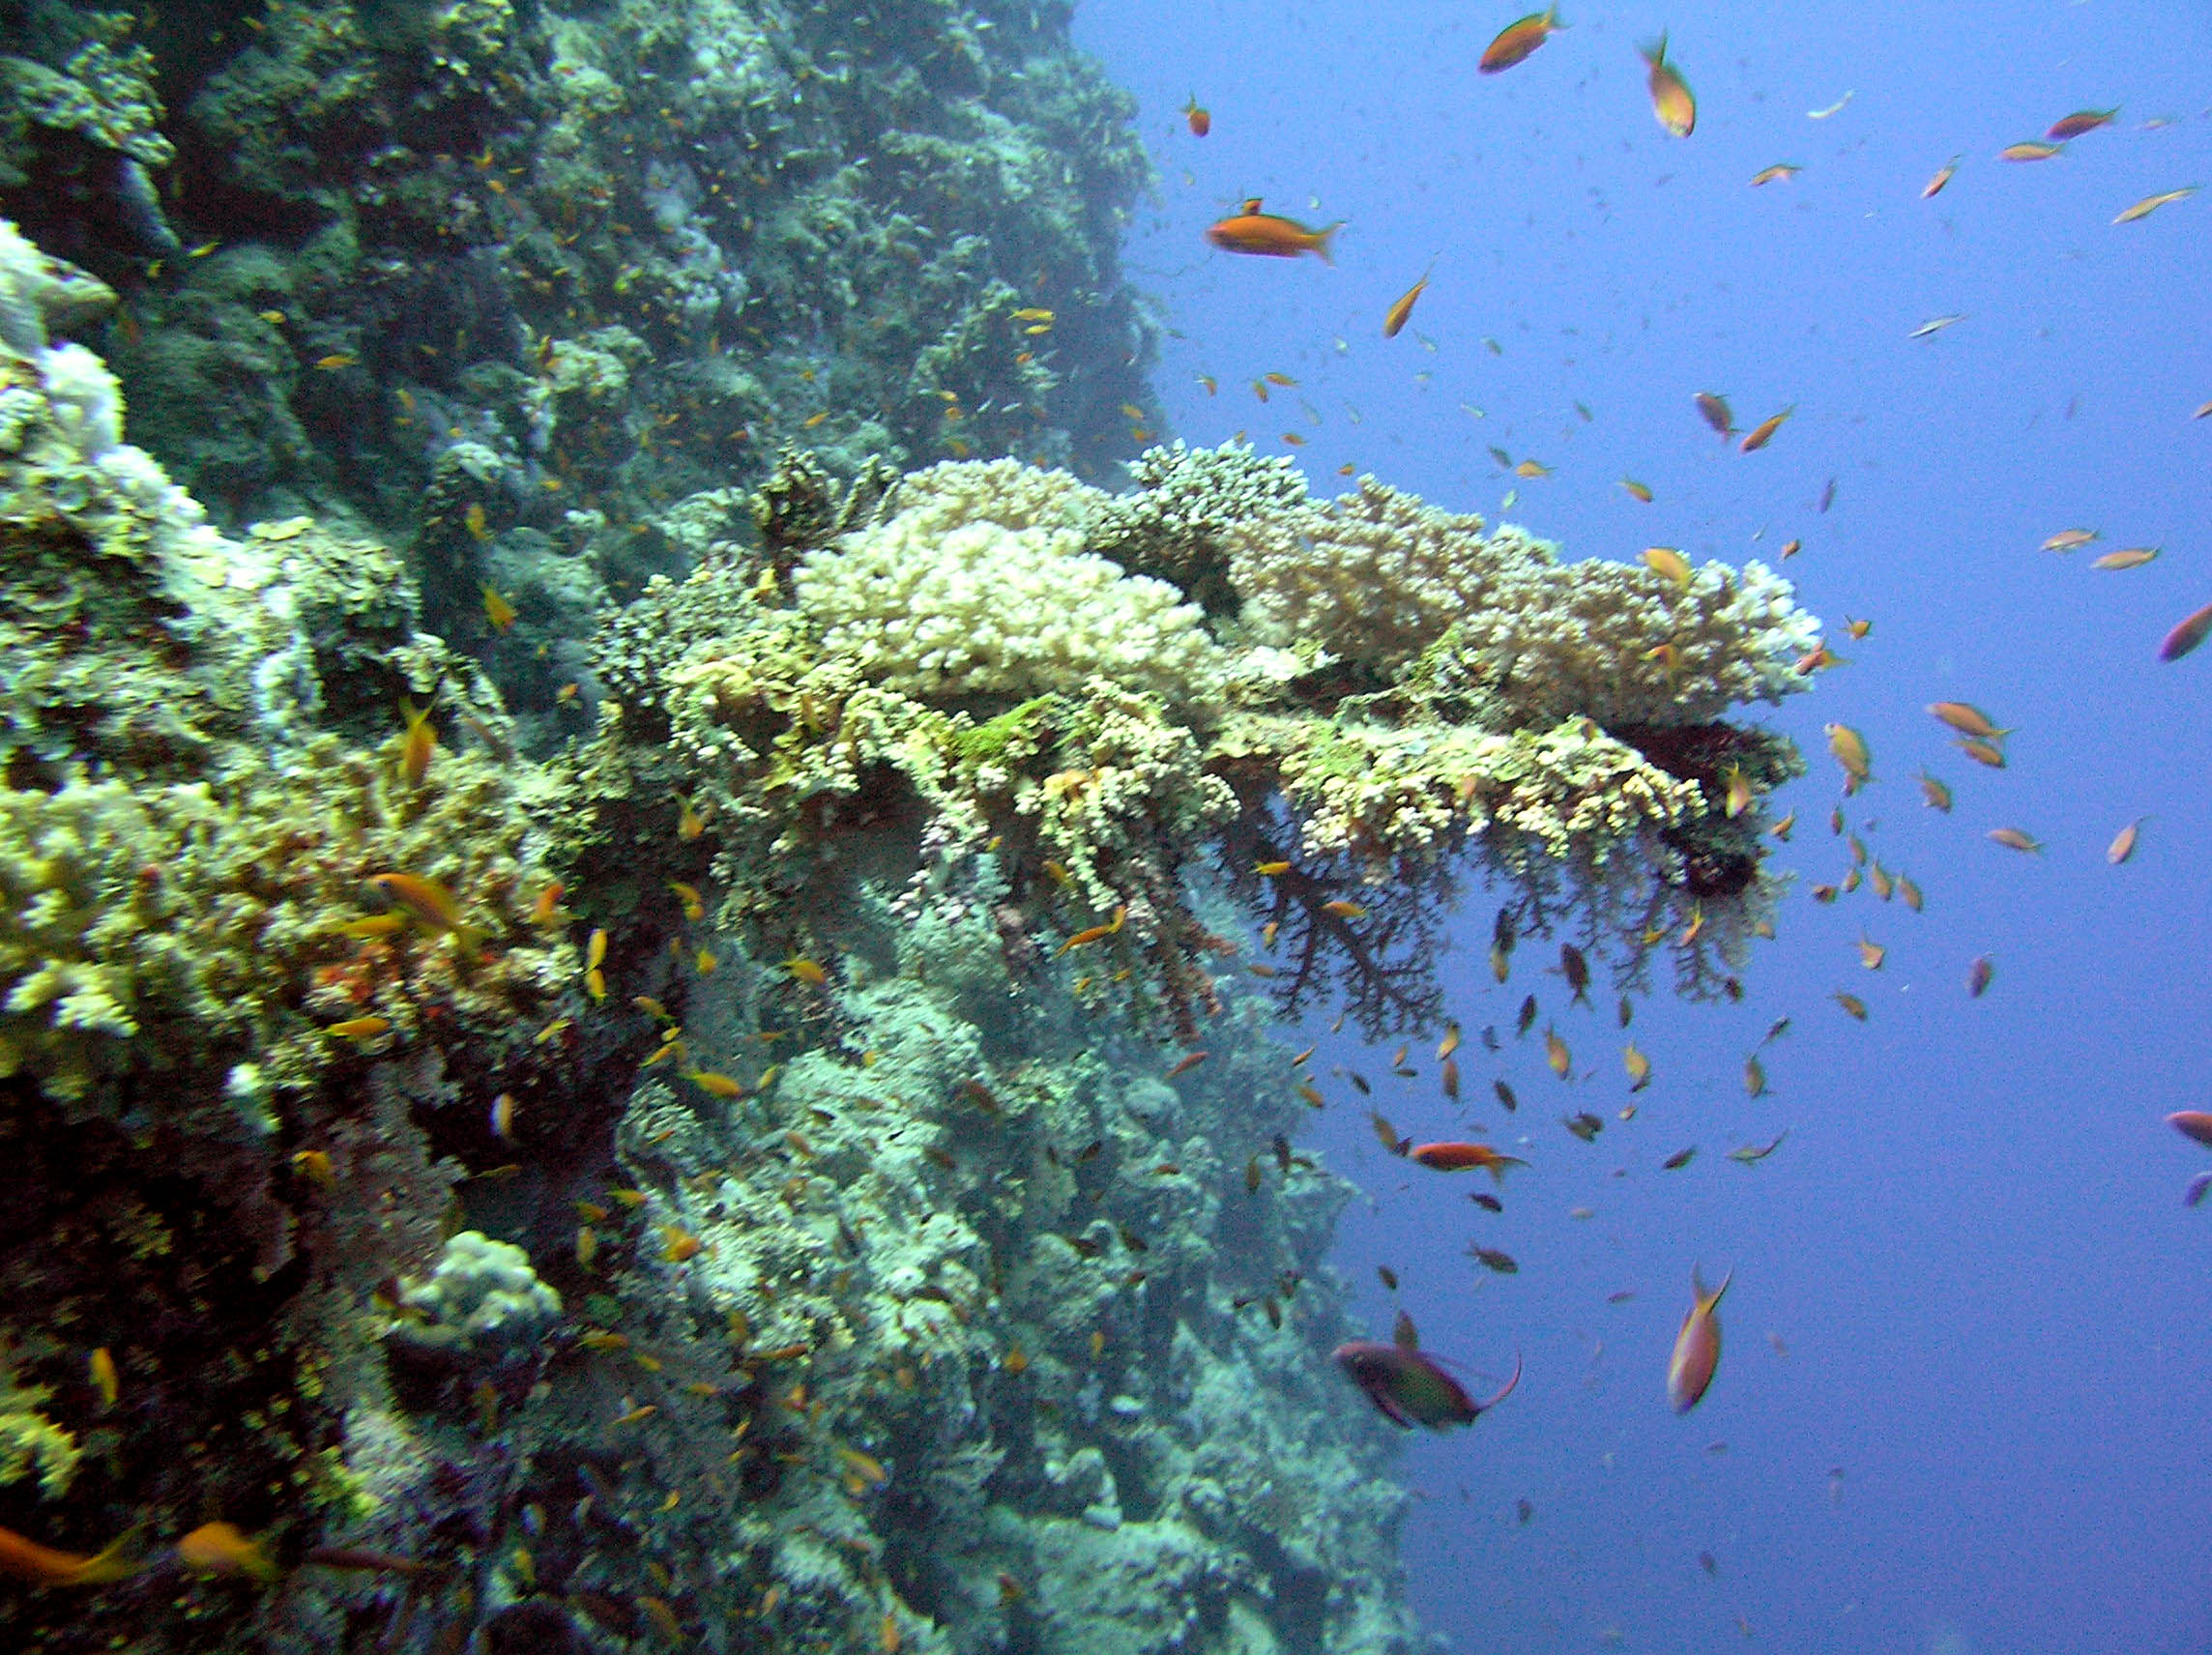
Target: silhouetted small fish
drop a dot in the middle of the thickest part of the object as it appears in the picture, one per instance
(2194, 1196)
(1979, 975)
(1491, 1259)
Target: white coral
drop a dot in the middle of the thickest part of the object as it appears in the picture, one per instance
(949, 599)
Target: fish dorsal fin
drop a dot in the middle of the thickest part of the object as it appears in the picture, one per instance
(1251, 205)
(1707, 1300)
(1404, 1334)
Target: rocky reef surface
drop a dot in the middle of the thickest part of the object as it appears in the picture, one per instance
(639, 919)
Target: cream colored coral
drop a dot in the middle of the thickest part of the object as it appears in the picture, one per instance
(939, 601)
(1626, 645)
(1373, 577)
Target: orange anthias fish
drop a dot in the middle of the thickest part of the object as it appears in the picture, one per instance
(1518, 41)
(1943, 176)
(26, 1560)
(1697, 1347)
(1671, 98)
(1200, 123)
(2187, 635)
(1459, 1157)
(1763, 433)
(224, 1549)
(1248, 230)
(1402, 307)
(431, 903)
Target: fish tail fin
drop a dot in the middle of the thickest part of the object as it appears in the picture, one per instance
(1498, 1166)
(1707, 1301)
(117, 1560)
(1654, 51)
(1322, 236)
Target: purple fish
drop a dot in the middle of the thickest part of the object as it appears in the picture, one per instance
(2199, 1187)
(1412, 1389)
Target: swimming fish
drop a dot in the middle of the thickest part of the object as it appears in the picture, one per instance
(2030, 150)
(1197, 119)
(2187, 635)
(1411, 1387)
(1979, 975)
(1968, 720)
(224, 1549)
(1935, 325)
(1851, 752)
(1715, 409)
(2123, 845)
(1517, 41)
(2081, 121)
(2194, 1124)
(2150, 204)
(1762, 433)
(1781, 172)
(1248, 230)
(1668, 564)
(1942, 177)
(26, 1560)
(1402, 307)
(1697, 1347)
(1455, 1157)
(1672, 102)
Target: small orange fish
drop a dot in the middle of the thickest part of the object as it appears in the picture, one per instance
(1270, 235)
(2123, 845)
(2015, 840)
(1669, 565)
(26, 1560)
(1851, 752)
(714, 1084)
(1185, 1064)
(419, 745)
(1555, 1054)
(316, 1167)
(2029, 150)
(1714, 406)
(223, 1548)
(2067, 539)
(1852, 1005)
(360, 1028)
(807, 972)
(1637, 490)
(1968, 720)
(1943, 175)
(1199, 120)
(335, 360)
(496, 610)
(546, 909)
(1672, 102)
(432, 905)
(1697, 1347)
(105, 1378)
(1781, 172)
(503, 1115)
(1518, 41)
(1762, 433)
(678, 1244)
(1401, 307)
(1342, 910)
(1984, 753)
(2126, 558)
(1459, 1157)
(1271, 870)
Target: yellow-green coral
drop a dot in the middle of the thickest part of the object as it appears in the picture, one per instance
(193, 929)
(29, 1442)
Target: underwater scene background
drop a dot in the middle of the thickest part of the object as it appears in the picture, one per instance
(792, 794)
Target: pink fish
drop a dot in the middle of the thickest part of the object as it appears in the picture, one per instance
(2192, 1123)
(1411, 1387)
(1697, 1347)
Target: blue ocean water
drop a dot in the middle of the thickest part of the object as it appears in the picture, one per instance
(1961, 1401)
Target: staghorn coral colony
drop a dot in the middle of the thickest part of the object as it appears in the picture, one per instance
(723, 1099)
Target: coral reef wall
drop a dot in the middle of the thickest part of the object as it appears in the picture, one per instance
(618, 1032)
